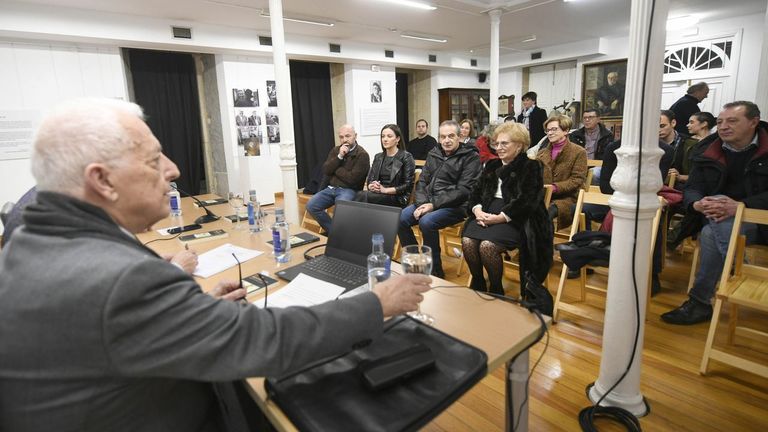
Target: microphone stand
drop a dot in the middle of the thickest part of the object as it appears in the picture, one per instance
(208, 216)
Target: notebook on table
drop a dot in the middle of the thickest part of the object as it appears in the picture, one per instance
(349, 244)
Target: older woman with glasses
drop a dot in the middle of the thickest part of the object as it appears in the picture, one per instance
(565, 168)
(507, 212)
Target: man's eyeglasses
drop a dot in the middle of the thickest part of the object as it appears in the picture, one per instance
(240, 279)
(552, 130)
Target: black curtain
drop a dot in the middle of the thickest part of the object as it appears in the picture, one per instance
(312, 115)
(165, 85)
(401, 89)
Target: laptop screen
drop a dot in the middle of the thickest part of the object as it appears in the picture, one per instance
(353, 225)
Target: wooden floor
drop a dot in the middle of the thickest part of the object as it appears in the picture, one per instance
(680, 399)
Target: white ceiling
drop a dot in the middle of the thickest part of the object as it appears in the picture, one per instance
(464, 23)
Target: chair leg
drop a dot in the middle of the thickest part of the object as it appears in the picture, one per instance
(694, 265)
(583, 283)
(710, 337)
(733, 319)
(560, 286)
(460, 267)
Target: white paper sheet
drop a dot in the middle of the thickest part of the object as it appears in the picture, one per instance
(302, 291)
(219, 259)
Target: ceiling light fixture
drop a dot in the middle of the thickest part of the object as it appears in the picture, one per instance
(682, 22)
(265, 14)
(531, 38)
(413, 4)
(425, 37)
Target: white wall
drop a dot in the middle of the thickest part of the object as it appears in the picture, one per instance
(261, 173)
(357, 82)
(38, 76)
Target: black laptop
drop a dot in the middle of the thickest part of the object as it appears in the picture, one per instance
(349, 244)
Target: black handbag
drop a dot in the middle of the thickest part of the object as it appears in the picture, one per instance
(332, 396)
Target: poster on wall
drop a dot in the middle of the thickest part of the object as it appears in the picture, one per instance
(17, 129)
(376, 91)
(603, 88)
(245, 97)
(273, 118)
(272, 93)
(249, 139)
(273, 134)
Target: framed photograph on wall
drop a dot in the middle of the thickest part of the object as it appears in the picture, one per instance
(376, 91)
(603, 86)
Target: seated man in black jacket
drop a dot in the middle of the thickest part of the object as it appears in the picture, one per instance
(732, 167)
(593, 136)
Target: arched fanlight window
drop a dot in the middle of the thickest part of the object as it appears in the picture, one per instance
(698, 56)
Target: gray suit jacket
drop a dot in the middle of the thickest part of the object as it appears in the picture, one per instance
(100, 334)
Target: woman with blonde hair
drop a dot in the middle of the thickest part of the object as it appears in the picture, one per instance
(507, 212)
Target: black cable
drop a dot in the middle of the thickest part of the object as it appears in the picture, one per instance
(163, 239)
(587, 415)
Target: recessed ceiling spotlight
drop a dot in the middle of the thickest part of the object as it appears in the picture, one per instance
(531, 38)
(413, 4)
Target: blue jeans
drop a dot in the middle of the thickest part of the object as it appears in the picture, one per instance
(714, 238)
(324, 199)
(430, 225)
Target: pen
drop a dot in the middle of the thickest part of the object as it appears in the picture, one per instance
(186, 246)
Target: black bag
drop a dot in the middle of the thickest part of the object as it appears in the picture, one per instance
(333, 397)
(535, 296)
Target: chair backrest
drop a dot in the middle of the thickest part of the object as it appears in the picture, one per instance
(585, 198)
(671, 180)
(591, 163)
(547, 195)
(736, 246)
(412, 197)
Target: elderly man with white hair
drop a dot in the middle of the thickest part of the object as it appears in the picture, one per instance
(101, 334)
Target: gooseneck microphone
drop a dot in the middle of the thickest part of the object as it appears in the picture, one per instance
(208, 216)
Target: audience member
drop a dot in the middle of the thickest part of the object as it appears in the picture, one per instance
(532, 117)
(345, 170)
(467, 129)
(485, 140)
(593, 136)
(100, 333)
(699, 125)
(730, 169)
(688, 105)
(448, 177)
(507, 212)
(565, 168)
(390, 179)
(420, 146)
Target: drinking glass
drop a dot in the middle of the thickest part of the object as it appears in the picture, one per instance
(236, 201)
(418, 259)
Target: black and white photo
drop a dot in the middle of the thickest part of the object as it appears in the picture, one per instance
(272, 115)
(273, 134)
(245, 97)
(376, 91)
(272, 93)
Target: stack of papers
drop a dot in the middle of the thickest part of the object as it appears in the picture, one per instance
(219, 259)
(302, 291)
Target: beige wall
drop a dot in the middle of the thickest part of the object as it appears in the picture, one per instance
(338, 95)
(419, 98)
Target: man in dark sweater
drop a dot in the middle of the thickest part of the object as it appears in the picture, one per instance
(345, 170)
(732, 168)
(593, 136)
(688, 105)
(420, 146)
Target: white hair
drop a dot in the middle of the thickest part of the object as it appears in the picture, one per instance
(77, 133)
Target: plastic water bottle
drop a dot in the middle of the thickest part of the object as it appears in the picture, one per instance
(175, 200)
(254, 213)
(379, 263)
(281, 245)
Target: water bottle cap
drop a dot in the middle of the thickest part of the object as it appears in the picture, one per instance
(173, 185)
(279, 211)
(377, 238)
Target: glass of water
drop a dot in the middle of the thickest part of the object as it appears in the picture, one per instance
(418, 259)
(236, 201)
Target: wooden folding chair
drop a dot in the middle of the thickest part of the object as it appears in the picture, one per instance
(579, 224)
(747, 288)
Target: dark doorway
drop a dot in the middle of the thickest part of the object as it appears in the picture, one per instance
(165, 85)
(312, 116)
(401, 88)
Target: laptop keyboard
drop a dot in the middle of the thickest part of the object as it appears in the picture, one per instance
(344, 271)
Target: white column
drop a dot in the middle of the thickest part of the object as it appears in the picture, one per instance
(285, 107)
(640, 133)
(761, 99)
(494, 95)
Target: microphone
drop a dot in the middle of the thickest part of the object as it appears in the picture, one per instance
(208, 216)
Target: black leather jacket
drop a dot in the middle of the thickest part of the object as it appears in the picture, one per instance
(447, 181)
(401, 176)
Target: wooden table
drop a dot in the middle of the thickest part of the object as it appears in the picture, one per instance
(501, 329)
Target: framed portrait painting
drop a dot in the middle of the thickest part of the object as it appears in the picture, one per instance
(603, 86)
